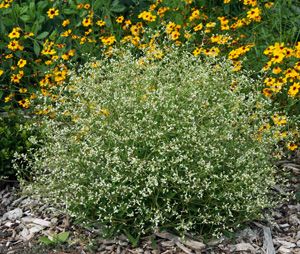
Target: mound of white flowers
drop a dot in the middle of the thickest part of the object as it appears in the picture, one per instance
(140, 144)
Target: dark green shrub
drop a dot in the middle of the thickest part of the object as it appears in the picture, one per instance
(13, 139)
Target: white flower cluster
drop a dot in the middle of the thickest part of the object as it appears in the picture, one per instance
(164, 143)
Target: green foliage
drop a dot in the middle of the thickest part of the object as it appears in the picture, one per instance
(141, 144)
(35, 27)
(60, 238)
(14, 138)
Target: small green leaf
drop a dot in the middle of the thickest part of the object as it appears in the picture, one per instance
(114, 3)
(42, 35)
(45, 240)
(63, 236)
(118, 8)
(54, 238)
(68, 11)
(25, 18)
(17, 9)
(134, 241)
(153, 243)
(36, 48)
(98, 4)
(24, 9)
(41, 19)
(89, 248)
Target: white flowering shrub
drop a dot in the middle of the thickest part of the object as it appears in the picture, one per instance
(143, 144)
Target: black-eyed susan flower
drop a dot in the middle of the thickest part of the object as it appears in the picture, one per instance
(175, 35)
(294, 89)
(22, 63)
(276, 70)
(100, 23)
(197, 51)
(15, 79)
(87, 22)
(13, 45)
(198, 27)
(119, 19)
(25, 103)
(254, 14)
(23, 90)
(291, 146)
(52, 12)
(15, 33)
(278, 120)
(187, 35)
(170, 27)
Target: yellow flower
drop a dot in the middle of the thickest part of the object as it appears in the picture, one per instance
(277, 57)
(127, 24)
(1, 72)
(48, 51)
(226, 1)
(24, 103)
(87, 22)
(291, 146)
(14, 33)
(276, 70)
(66, 33)
(170, 27)
(147, 16)
(22, 63)
(15, 79)
(265, 127)
(100, 23)
(22, 90)
(108, 40)
(237, 68)
(211, 24)
(279, 120)
(120, 19)
(187, 35)
(66, 22)
(13, 45)
(175, 35)
(254, 14)
(52, 12)
(105, 111)
(32, 96)
(9, 56)
(294, 89)
(197, 51)
(86, 6)
(199, 27)
(49, 62)
(59, 76)
(65, 56)
(28, 35)
(269, 5)
(267, 92)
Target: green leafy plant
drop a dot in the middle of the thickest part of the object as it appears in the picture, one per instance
(28, 30)
(134, 241)
(14, 138)
(60, 238)
(146, 143)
